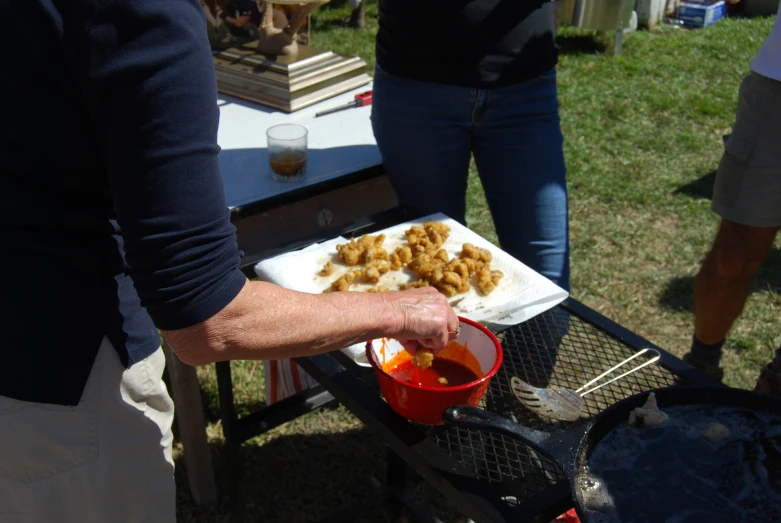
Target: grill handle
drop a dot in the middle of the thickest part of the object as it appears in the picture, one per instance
(561, 447)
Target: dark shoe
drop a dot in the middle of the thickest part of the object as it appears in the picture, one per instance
(769, 381)
(357, 19)
(711, 368)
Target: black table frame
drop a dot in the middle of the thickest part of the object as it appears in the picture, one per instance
(348, 383)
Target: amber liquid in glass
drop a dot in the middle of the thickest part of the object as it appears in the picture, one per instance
(288, 163)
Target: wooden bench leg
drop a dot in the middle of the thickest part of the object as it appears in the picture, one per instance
(192, 428)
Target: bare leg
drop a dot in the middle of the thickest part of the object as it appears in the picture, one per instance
(721, 285)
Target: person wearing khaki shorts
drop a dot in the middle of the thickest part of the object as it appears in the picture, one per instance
(747, 196)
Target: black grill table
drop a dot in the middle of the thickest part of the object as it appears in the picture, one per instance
(490, 477)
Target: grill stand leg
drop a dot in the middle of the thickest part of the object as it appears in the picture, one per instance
(232, 445)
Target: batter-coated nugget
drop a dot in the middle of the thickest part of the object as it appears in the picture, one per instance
(328, 269)
(413, 285)
(441, 255)
(459, 267)
(487, 280)
(349, 253)
(424, 357)
(374, 253)
(370, 275)
(369, 241)
(451, 278)
(473, 265)
(381, 265)
(476, 253)
(343, 282)
(446, 289)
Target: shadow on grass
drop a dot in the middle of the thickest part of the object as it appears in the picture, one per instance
(678, 294)
(701, 188)
(580, 44)
(302, 478)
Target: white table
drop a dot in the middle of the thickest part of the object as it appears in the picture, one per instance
(344, 179)
(345, 182)
(339, 143)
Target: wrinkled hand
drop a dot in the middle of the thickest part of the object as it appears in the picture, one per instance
(426, 318)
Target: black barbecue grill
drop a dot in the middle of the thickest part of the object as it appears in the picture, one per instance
(555, 348)
(490, 476)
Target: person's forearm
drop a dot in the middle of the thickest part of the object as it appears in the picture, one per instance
(269, 322)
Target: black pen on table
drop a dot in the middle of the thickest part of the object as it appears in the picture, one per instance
(361, 99)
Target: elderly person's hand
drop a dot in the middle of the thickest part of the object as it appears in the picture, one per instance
(428, 319)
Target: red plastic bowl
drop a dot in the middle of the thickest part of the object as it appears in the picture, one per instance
(426, 404)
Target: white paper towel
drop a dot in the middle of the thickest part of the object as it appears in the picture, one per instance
(520, 295)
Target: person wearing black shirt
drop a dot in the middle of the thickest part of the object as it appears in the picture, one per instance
(457, 78)
(114, 224)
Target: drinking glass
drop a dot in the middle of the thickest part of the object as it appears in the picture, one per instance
(287, 145)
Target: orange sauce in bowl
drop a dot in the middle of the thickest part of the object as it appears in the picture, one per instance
(455, 363)
(454, 373)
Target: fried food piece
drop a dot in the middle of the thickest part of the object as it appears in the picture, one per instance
(405, 254)
(401, 257)
(475, 253)
(374, 253)
(370, 275)
(349, 253)
(366, 249)
(487, 280)
(442, 380)
(384, 266)
(453, 283)
(459, 267)
(447, 290)
(424, 357)
(648, 415)
(379, 288)
(370, 242)
(343, 282)
(472, 265)
(413, 285)
(716, 432)
(328, 269)
(419, 261)
(451, 278)
(429, 237)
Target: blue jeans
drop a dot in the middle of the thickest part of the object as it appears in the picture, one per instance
(426, 133)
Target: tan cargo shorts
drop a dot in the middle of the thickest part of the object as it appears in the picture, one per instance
(106, 460)
(747, 189)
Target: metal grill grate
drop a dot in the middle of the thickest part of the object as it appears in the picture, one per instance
(553, 348)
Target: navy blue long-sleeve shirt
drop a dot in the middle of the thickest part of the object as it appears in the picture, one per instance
(113, 219)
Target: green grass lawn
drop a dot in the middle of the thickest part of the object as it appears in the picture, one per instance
(643, 138)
